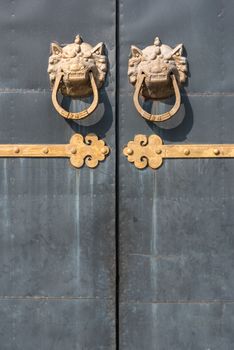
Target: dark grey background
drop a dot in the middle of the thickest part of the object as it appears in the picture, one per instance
(57, 227)
(176, 223)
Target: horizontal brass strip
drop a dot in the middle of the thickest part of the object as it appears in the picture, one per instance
(150, 151)
(198, 151)
(46, 150)
(89, 150)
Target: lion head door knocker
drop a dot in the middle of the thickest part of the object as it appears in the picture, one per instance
(77, 70)
(157, 72)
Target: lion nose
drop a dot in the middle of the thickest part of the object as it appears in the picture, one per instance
(76, 67)
(156, 69)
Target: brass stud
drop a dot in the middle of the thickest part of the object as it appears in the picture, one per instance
(73, 150)
(158, 151)
(129, 151)
(16, 149)
(186, 151)
(216, 152)
(45, 150)
(104, 150)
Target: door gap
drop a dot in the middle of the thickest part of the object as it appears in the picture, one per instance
(117, 147)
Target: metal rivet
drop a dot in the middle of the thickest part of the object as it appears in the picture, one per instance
(104, 150)
(45, 150)
(216, 151)
(158, 151)
(186, 151)
(73, 150)
(16, 149)
(129, 151)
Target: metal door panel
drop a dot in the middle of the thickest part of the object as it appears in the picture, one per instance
(56, 324)
(28, 28)
(57, 227)
(205, 29)
(201, 326)
(176, 245)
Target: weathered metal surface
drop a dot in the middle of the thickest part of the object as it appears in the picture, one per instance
(150, 151)
(176, 223)
(80, 150)
(57, 278)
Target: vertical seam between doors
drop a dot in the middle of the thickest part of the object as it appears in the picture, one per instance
(117, 168)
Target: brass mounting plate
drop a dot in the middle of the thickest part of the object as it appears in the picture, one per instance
(150, 151)
(81, 150)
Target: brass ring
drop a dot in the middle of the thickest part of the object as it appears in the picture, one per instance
(72, 115)
(157, 117)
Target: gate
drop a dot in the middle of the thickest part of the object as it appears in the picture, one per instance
(115, 257)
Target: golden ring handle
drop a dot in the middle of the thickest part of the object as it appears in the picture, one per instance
(77, 115)
(157, 117)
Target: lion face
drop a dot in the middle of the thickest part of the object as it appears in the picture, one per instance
(157, 62)
(76, 61)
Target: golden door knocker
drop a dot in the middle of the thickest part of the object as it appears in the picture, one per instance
(157, 72)
(76, 70)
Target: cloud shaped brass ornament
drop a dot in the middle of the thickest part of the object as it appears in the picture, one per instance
(150, 151)
(77, 70)
(157, 72)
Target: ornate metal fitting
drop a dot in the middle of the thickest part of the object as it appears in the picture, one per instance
(81, 150)
(157, 72)
(87, 150)
(150, 151)
(77, 70)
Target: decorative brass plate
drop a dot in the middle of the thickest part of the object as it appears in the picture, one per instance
(89, 150)
(150, 151)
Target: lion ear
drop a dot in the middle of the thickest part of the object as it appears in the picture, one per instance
(177, 50)
(135, 51)
(55, 49)
(98, 49)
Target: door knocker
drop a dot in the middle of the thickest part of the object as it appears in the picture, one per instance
(157, 72)
(76, 70)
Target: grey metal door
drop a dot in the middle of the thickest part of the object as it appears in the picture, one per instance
(64, 233)
(176, 246)
(57, 227)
